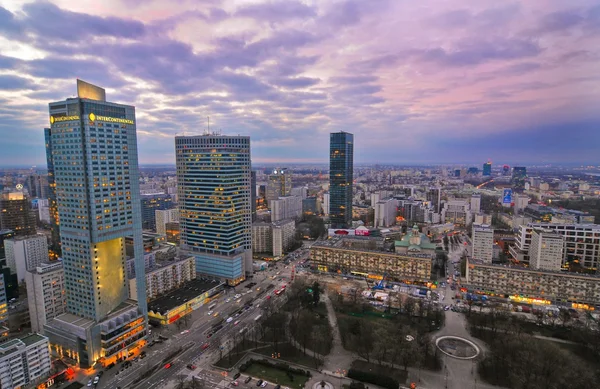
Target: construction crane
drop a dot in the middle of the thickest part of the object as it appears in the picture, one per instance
(381, 284)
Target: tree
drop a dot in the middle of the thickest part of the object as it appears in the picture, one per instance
(565, 317)
(316, 288)
(304, 329)
(364, 342)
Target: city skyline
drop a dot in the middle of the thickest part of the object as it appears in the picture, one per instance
(443, 83)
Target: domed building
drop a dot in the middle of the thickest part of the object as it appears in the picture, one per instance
(415, 242)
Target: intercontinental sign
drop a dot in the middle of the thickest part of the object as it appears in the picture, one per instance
(55, 119)
(109, 119)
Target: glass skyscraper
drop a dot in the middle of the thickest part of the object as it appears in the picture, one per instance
(95, 164)
(341, 167)
(215, 221)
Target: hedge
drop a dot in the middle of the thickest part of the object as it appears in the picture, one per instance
(372, 378)
(279, 365)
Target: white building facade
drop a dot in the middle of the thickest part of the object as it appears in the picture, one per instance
(546, 251)
(164, 216)
(26, 253)
(24, 361)
(288, 207)
(165, 277)
(45, 293)
(483, 243)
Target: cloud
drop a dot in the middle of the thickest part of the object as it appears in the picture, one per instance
(277, 11)
(14, 82)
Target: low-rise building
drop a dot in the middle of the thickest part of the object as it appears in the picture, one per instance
(24, 362)
(519, 282)
(45, 293)
(357, 255)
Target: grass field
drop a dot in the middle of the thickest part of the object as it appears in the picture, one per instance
(276, 376)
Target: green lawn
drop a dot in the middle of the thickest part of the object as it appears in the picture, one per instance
(276, 376)
(361, 365)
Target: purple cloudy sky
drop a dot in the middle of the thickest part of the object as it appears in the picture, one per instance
(430, 81)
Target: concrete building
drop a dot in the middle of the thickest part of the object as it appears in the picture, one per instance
(279, 184)
(483, 218)
(365, 256)
(415, 242)
(325, 204)
(385, 212)
(434, 196)
(483, 243)
(522, 284)
(475, 203)
(289, 207)
(341, 170)
(215, 216)
(24, 362)
(16, 213)
(45, 294)
(94, 146)
(164, 216)
(166, 276)
(275, 238)
(3, 300)
(521, 201)
(546, 251)
(173, 232)
(25, 253)
(457, 211)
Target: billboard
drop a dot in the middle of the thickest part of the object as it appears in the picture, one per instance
(507, 196)
(340, 231)
(362, 231)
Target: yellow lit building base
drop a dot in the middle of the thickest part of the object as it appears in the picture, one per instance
(529, 300)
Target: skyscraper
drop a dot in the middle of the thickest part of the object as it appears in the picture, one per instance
(54, 220)
(341, 156)
(16, 213)
(518, 178)
(487, 168)
(213, 177)
(279, 184)
(94, 153)
(434, 195)
(151, 203)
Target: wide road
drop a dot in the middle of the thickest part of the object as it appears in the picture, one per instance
(196, 334)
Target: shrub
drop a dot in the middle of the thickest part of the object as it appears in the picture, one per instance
(372, 378)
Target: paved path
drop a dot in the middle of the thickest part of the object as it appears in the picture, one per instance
(339, 358)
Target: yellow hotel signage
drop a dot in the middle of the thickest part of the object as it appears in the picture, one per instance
(54, 119)
(109, 119)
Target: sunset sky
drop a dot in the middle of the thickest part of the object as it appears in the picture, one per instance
(425, 81)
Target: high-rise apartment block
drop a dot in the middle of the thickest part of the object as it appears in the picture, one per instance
(341, 170)
(16, 213)
(94, 152)
(475, 203)
(483, 243)
(213, 177)
(274, 237)
(45, 293)
(519, 176)
(288, 207)
(25, 253)
(164, 216)
(279, 184)
(325, 204)
(150, 203)
(24, 362)
(546, 251)
(385, 212)
(434, 196)
(165, 276)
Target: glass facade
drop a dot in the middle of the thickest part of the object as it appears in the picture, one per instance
(54, 220)
(341, 165)
(213, 176)
(151, 203)
(94, 163)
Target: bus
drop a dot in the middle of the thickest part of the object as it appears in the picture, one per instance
(212, 306)
(358, 273)
(257, 318)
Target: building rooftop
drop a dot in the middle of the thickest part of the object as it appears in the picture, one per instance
(523, 268)
(185, 293)
(344, 242)
(32, 338)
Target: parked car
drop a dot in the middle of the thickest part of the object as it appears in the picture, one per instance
(259, 382)
(248, 379)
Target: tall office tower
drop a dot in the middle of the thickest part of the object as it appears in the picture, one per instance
(475, 203)
(546, 251)
(25, 253)
(253, 194)
(45, 293)
(16, 213)
(152, 202)
(487, 169)
(483, 243)
(434, 195)
(279, 184)
(163, 217)
(341, 164)
(213, 177)
(94, 151)
(54, 220)
(518, 178)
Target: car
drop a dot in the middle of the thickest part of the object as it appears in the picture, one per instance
(191, 367)
(118, 371)
(446, 308)
(90, 382)
(264, 383)
(168, 365)
(96, 380)
(205, 346)
(259, 382)
(100, 373)
(269, 297)
(248, 379)
(184, 332)
(237, 296)
(228, 300)
(236, 375)
(210, 313)
(234, 383)
(239, 301)
(209, 335)
(236, 323)
(258, 289)
(229, 320)
(216, 314)
(278, 386)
